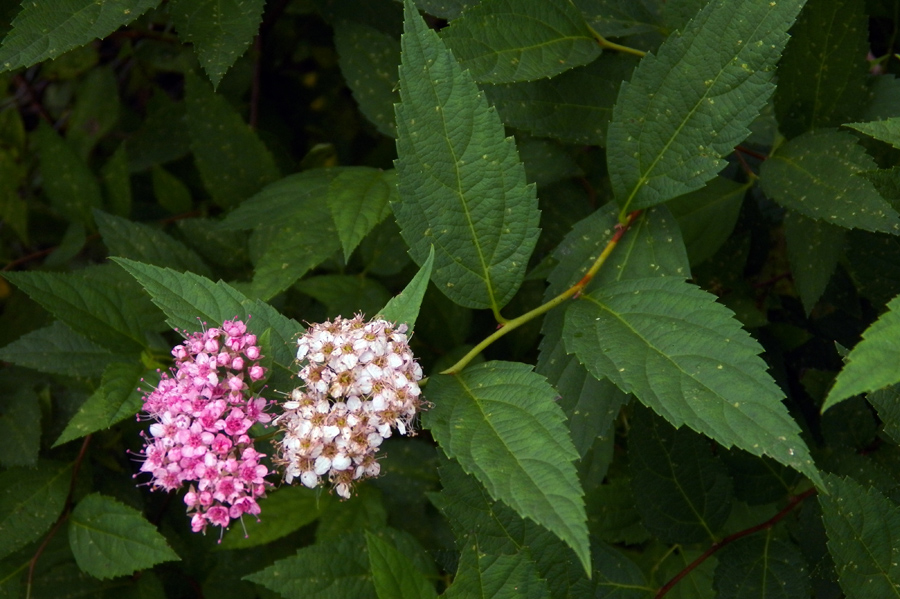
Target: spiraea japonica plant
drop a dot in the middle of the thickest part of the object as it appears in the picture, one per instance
(499, 298)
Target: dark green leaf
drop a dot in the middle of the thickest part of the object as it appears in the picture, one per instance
(500, 421)
(682, 491)
(613, 515)
(445, 9)
(68, 182)
(393, 573)
(686, 357)
(467, 195)
(887, 130)
(346, 294)
(57, 349)
(874, 262)
(30, 501)
(814, 175)
(45, 30)
(220, 30)
(96, 109)
(283, 511)
(170, 192)
(887, 402)
(502, 41)
(813, 248)
(359, 199)
(708, 216)
(621, 18)
(690, 104)
(117, 182)
(20, 427)
(404, 307)
(111, 539)
(496, 576)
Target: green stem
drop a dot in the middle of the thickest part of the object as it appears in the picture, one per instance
(515, 323)
(608, 45)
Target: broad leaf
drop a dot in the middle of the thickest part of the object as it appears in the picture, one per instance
(497, 576)
(394, 574)
(331, 569)
(621, 18)
(117, 182)
(687, 358)
(760, 566)
(359, 199)
(170, 192)
(117, 398)
(445, 9)
(502, 41)
(887, 402)
(707, 216)
(45, 30)
(887, 130)
(20, 426)
(682, 491)
(467, 195)
(612, 513)
(404, 307)
(30, 501)
(284, 511)
(232, 161)
(872, 364)
(813, 248)
(863, 529)
(71, 186)
(690, 104)
(57, 349)
(111, 539)
(220, 30)
(822, 77)
(814, 174)
(500, 421)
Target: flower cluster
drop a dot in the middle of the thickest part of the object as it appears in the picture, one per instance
(360, 381)
(201, 417)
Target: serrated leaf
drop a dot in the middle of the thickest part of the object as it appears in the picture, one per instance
(496, 576)
(359, 199)
(111, 539)
(502, 41)
(93, 308)
(466, 195)
(814, 175)
(284, 511)
(863, 529)
(687, 358)
(682, 491)
(332, 569)
(500, 421)
(117, 398)
(394, 574)
(187, 299)
(575, 106)
(445, 9)
(887, 402)
(368, 60)
(690, 104)
(45, 30)
(760, 566)
(20, 427)
(813, 249)
(708, 216)
(404, 307)
(68, 182)
(143, 243)
(887, 130)
(872, 363)
(620, 18)
(233, 162)
(220, 30)
(30, 501)
(57, 349)
(822, 76)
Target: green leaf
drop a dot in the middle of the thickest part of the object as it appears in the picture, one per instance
(345, 294)
(575, 106)
(143, 243)
(57, 349)
(117, 182)
(93, 308)
(813, 248)
(873, 260)
(502, 41)
(393, 573)
(708, 216)
(368, 60)
(111, 539)
(872, 363)
(331, 569)
(96, 109)
(68, 182)
(686, 357)
(690, 104)
(20, 427)
(863, 529)
(117, 398)
(887, 402)
(621, 18)
(613, 515)
(822, 76)
(404, 307)
(45, 30)
(760, 566)
(887, 130)
(284, 511)
(359, 199)
(220, 30)
(682, 491)
(170, 192)
(30, 501)
(185, 298)
(496, 576)
(500, 421)
(814, 175)
(445, 9)
(467, 195)
(233, 162)
(163, 135)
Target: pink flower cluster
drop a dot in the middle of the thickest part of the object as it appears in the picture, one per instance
(201, 417)
(360, 381)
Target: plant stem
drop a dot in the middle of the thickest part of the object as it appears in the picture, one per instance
(608, 45)
(572, 291)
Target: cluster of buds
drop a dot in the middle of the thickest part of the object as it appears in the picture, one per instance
(201, 417)
(360, 382)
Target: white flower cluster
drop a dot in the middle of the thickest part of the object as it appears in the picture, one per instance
(360, 381)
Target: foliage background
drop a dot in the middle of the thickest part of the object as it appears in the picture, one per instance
(245, 158)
